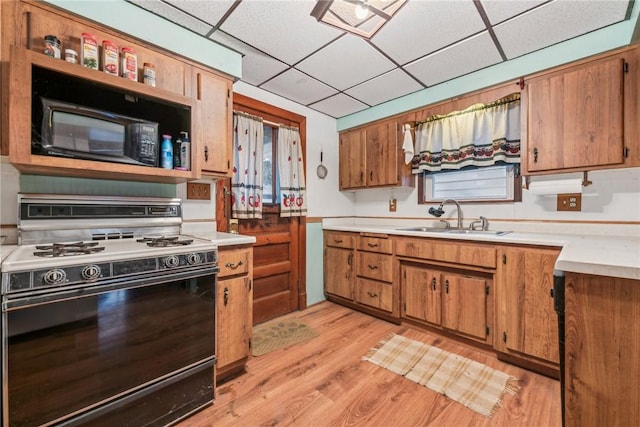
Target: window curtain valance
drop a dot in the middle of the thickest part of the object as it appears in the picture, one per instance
(481, 135)
(246, 182)
(293, 197)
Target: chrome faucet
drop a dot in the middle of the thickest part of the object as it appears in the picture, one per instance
(484, 224)
(439, 211)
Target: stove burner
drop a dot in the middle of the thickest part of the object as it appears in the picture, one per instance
(161, 242)
(67, 249)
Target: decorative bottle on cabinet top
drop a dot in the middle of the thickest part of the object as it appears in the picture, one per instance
(166, 152)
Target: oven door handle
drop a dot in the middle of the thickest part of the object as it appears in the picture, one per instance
(48, 296)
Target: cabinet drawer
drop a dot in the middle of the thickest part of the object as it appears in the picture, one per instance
(375, 266)
(339, 240)
(375, 244)
(233, 262)
(459, 253)
(374, 294)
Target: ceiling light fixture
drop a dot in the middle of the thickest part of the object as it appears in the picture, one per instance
(361, 17)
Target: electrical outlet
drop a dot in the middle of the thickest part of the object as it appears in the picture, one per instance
(392, 205)
(570, 202)
(198, 191)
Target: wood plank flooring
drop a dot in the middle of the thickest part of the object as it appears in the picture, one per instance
(324, 382)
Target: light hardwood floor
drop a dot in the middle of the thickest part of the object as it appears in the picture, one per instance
(324, 382)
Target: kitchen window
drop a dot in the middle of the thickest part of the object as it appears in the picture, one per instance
(501, 183)
(270, 184)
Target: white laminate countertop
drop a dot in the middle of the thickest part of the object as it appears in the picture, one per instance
(614, 256)
(225, 239)
(5, 250)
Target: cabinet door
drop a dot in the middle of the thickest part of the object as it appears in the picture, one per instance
(575, 118)
(338, 272)
(234, 327)
(421, 293)
(215, 125)
(464, 304)
(382, 154)
(352, 160)
(531, 325)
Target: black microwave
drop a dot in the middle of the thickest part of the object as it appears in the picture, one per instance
(76, 131)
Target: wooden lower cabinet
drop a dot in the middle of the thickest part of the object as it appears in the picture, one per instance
(339, 258)
(234, 305)
(602, 367)
(527, 324)
(456, 301)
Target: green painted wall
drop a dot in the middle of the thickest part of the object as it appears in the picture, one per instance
(315, 256)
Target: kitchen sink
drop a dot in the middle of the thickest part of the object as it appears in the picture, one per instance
(455, 231)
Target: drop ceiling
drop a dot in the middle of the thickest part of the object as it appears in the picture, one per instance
(428, 42)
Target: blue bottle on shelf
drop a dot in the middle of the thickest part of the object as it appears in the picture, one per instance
(166, 152)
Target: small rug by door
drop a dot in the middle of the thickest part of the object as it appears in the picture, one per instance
(276, 334)
(469, 383)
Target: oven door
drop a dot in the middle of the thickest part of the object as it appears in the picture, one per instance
(84, 355)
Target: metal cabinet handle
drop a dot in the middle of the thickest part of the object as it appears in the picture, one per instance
(226, 296)
(371, 176)
(206, 153)
(349, 259)
(446, 286)
(433, 283)
(372, 245)
(535, 155)
(337, 240)
(372, 294)
(372, 267)
(233, 266)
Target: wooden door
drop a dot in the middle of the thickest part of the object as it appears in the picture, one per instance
(421, 293)
(465, 304)
(276, 264)
(575, 118)
(352, 160)
(338, 272)
(531, 325)
(382, 154)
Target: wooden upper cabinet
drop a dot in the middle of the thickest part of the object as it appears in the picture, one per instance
(576, 116)
(372, 156)
(215, 122)
(352, 159)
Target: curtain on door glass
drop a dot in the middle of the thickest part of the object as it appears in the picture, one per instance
(481, 135)
(246, 182)
(291, 173)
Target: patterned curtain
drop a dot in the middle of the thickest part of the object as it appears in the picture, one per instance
(246, 182)
(481, 135)
(291, 172)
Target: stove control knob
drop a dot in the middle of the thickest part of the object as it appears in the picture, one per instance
(54, 277)
(171, 261)
(193, 259)
(91, 272)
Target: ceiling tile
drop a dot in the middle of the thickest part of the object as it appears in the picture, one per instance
(257, 67)
(388, 86)
(172, 14)
(500, 10)
(338, 105)
(422, 27)
(346, 62)
(555, 22)
(283, 29)
(208, 11)
(298, 87)
(469, 55)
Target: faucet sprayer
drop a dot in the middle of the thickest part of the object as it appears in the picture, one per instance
(438, 212)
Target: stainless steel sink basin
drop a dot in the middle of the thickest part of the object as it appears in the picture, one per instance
(425, 229)
(487, 232)
(454, 231)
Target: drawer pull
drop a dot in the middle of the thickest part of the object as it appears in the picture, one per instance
(337, 241)
(372, 294)
(372, 245)
(226, 296)
(372, 267)
(233, 266)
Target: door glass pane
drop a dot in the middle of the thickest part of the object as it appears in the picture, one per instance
(267, 168)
